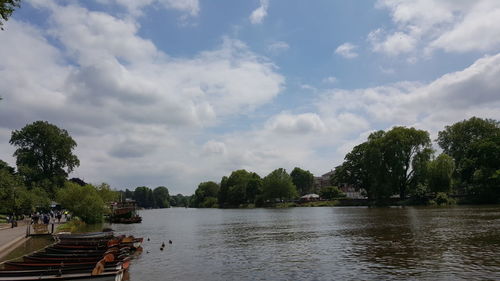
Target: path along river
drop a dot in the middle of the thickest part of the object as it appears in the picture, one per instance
(340, 243)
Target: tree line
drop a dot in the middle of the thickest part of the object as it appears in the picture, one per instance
(158, 197)
(243, 188)
(402, 162)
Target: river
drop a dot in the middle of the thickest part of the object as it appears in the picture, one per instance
(339, 243)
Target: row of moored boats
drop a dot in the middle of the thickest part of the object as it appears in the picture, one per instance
(89, 256)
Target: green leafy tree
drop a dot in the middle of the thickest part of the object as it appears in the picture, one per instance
(463, 141)
(206, 190)
(82, 201)
(107, 194)
(405, 151)
(303, 180)
(162, 197)
(387, 163)
(254, 188)
(364, 169)
(440, 173)
(278, 185)
(144, 197)
(7, 7)
(179, 200)
(44, 154)
(5, 166)
(241, 187)
(331, 192)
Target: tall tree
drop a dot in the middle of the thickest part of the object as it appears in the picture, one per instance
(364, 169)
(162, 197)
(278, 185)
(440, 173)
(44, 154)
(144, 197)
(461, 141)
(303, 180)
(206, 195)
(240, 187)
(7, 7)
(405, 150)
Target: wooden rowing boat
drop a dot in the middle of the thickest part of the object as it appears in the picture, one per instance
(105, 276)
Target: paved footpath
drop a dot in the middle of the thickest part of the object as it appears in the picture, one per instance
(10, 238)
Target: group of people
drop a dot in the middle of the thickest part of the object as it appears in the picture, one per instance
(45, 218)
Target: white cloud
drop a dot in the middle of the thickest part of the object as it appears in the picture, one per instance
(393, 44)
(346, 50)
(423, 26)
(331, 80)
(278, 47)
(448, 99)
(134, 7)
(260, 13)
(120, 97)
(214, 148)
(296, 124)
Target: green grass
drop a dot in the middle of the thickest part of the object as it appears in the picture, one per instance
(72, 226)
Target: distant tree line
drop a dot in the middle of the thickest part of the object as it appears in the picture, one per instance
(149, 198)
(401, 161)
(243, 188)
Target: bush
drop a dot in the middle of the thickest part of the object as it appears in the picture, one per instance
(330, 192)
(442, 199)
(82, 201)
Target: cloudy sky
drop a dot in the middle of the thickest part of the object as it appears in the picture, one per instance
(176, 92)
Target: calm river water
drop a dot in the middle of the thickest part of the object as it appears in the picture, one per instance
(340, 243)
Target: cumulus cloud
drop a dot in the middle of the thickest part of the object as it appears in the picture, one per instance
(260, 13)
(346, 50)
(120, 97)
(452, 97)
(296, 124)
(449, 25)
(392, 44)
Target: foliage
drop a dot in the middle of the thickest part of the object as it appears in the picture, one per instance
(7, 167)
(405, 151)
(209, 202)
(303, 180)
(44, 155)
(474, 144)
(71, 226)
(442, 199)
(161, 197)
(7, 7)
(82, 201)
(241, 187)
(144, 197)
(278, 185)
(440, 172)
(202, 194)
(179, 200)
(363, 168)
(106, 193)
(330, 192)
(387, 163)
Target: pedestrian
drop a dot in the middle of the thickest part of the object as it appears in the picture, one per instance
(46, 219)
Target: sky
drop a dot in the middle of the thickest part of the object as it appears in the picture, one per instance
(177, 92)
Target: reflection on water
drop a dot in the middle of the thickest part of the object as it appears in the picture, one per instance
(31, 245)
(459, 243)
